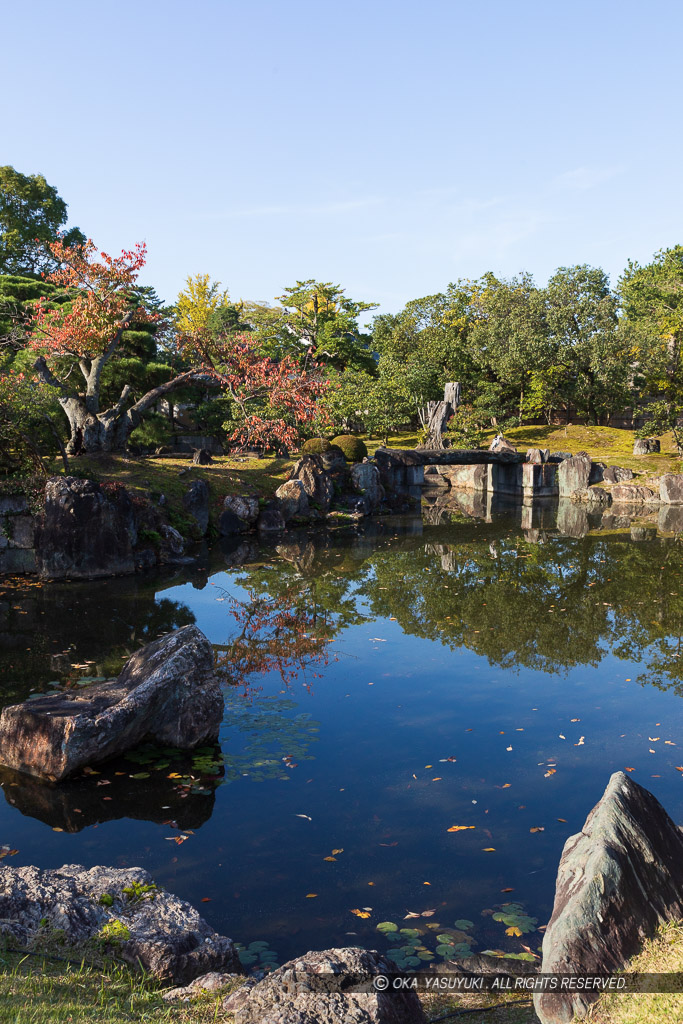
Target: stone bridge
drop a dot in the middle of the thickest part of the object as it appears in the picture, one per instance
(515, 474)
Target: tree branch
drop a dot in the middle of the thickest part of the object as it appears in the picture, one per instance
(48, 377)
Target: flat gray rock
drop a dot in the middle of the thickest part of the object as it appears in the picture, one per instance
(163, 934)
(167, 691)
(619, 879)
(297, 993)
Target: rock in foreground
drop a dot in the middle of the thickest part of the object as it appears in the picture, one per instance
(156, 930)
(315, 989)
(618, 880)
(166, 692)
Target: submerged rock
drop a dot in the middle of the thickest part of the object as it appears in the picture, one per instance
(167, 691)
(619, 879)
(149, 928)
(317, 988)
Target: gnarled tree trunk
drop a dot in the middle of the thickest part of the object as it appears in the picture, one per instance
(438, 415)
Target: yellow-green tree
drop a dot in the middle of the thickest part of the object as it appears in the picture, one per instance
(200, 299)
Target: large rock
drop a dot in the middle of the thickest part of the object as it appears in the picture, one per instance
(593, 497)
(166, 936)
(619, 879)
(245, 507)
(316, 480)
(365, 481)
(167, 691)
(317, 988)
(616, 474)
(83, 533)
(196, 504)
(671, 488)
(646, 446)
(537, 456)
(633, 494)
(271, 520)
(501, 444)
(573, 475)
(293, 499)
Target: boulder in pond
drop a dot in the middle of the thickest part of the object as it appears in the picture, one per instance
(593, 497)
(163, 934)
(293, 499)
(317, 988)
(196, 504)
(271, 520)
(671, 488)
(573, 475)
(84, 532)
(245, 507)
(366, 482)
(166, 692)
(619, 879)
(316, 480)
(633, 494)
(617, 474)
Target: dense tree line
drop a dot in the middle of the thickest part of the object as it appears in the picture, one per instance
(91, 359)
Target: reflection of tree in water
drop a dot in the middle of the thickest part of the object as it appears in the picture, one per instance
(270, 742)
(286, 623)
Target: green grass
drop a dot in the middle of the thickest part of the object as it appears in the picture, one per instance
(47, 991)
(604, 444)
(661, 955)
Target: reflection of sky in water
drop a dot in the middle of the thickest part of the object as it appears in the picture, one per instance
(392, 709)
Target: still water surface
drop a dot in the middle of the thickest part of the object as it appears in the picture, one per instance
(382, 686)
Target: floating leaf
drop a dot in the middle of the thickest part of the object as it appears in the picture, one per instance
(361, 913)
(462, 828)
(489, 849)
(513, 930)
(312, 896)
(330, 858)
(537, 828)
(463, 924)
(335, 852)
(387, 926)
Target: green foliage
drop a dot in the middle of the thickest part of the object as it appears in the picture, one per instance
(31, 213)
(136, 892)
(154, 432)
(354, 448)
(466, 429)
(106, 899)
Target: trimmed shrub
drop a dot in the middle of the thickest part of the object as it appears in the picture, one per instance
(354, 448)
(316, 446)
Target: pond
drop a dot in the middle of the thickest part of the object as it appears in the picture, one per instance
(418, 714)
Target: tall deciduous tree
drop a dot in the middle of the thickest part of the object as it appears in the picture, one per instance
(31, 213)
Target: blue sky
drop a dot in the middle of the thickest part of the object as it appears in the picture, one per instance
(388, 147)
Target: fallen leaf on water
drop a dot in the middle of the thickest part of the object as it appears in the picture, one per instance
(335, 852)
(633, 769)
(55, 829)
(395, 843)
(461, 828)
(6, 852)
(652, 751)
(205, 899)
(580, 743)
(360, 913)
(653, 739)
(303, 816)
(563, 820)
(513, 930)
(508, 748)
(489, 849)
(330, 858)
(551, 771)
(509, 889)
(575, 719)
(537, 828)
(561, 736)
(669, 743)
(428, 913)
(437, 779)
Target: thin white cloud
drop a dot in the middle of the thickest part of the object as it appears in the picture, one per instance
(582, 178)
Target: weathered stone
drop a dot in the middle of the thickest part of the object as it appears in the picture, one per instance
(559, 456)
(229, 524)
(18, 560)
(22, 531)
(13, 503)
(83, 534)
(202, 457)
(618, 880)
(593, 497)
(646, 446)
(167, 691)
(466, 478)
(244, 507)
(271, 520)
(214, 981)
(572, 519)
(313, 989)
(434, 476)
(166, 936)
(173, 543)
(293, 499)
(573, 475)
(633, 494)
(365, 481)
(616, 474)
(537, 456)
(196, 504)
(539, 480)
(597, 473)
(671, 488)
(316, 480)
(501, 444)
